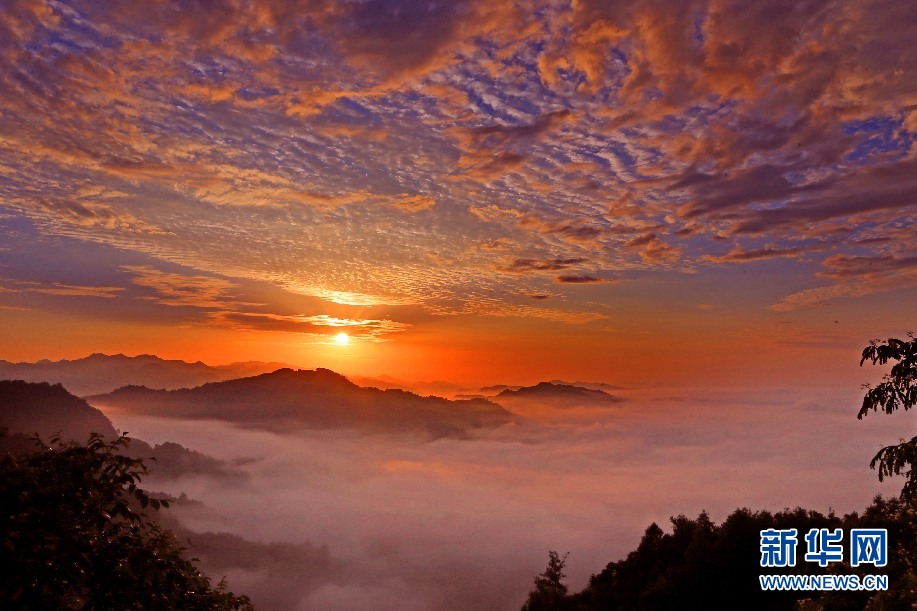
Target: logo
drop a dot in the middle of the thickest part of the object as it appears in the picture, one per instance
(869, 546)
(824, 546)
(778, 547)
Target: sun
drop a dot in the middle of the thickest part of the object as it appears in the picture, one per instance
(342, 339)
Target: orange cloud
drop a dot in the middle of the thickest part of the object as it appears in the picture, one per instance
(654, 250)
(182, 290)
(61, 289)
(855, 276)
(323, 324)
(413, 203)
(737, 255)
(517, 266)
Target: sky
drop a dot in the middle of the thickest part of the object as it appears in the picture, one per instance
(636, 192)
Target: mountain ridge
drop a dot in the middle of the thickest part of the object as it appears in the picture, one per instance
(312, 398)
(100, 373)
(30, 408)
(563, 393)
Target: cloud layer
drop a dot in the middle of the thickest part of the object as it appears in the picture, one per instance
(370, 151)
(350, 521)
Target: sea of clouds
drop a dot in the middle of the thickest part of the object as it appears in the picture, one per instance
(362, 521)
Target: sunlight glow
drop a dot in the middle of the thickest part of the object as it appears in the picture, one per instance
(342, 339)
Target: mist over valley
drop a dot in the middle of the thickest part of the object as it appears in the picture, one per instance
(308, 491)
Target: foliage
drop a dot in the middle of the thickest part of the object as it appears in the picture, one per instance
(898, 390)
(73, 536)
(550, 591)
(701, 565)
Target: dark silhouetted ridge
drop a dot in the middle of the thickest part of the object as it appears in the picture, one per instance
(27, 408)
(318, 398)
(549, 391)
(100, 373)
(48, 409)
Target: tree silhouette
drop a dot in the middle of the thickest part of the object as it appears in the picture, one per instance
(898, 390)
(73, 536)
(550, 592)
(701, 565)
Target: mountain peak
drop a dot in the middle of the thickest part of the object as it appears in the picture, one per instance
(288, 399)
(100, 373)
(49, 409)
(552, 391)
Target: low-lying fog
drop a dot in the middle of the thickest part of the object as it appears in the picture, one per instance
(466, 523)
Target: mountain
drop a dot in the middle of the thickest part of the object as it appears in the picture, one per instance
(440, 388)
(48, 409)
(319, 398)
(27, 408)
(491, 391)
(498, 388)
(564, 394)
(100, 373)
(593, 385)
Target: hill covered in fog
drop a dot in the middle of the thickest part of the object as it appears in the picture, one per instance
(289, 399)
(557, 393)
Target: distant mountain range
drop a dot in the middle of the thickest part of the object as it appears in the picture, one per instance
(265, 395)
(566, 394)
(439, 388)
(101, 373)
(48, 409)
(498, 388)
(289, 399)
